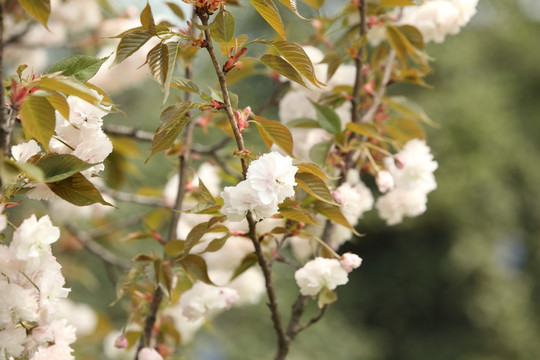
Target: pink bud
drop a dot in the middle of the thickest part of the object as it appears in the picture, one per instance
(385, 181)
(338, 196)
(230, 296)
(350, 261)
(400, 162)
(121, 342)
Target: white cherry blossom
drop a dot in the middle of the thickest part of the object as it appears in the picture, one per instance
(318, 274)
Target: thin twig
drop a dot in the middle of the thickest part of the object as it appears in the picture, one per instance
(134, 198)
(313, 320)
(97, 249)
(126, 131)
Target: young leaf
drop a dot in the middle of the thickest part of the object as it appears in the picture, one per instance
(297, 214)
(223, 27)
(268, 10)
(147, 20)
(31, 171)
(247, 262)
(58, 167)
(319, 152)
(161, 60)
(196, 266)
(68, 86)
(216, 244)
(327, 117)
(173, 120)
(166, 277)
(81, 67)
(297, 57)
(369, 130)
(78, 191)
(130, 42)
(403, 130)
(60, 104)
(174, 247)
(291, 4)
(38, 119)
(397, 3)
(333, 213)
(185, 85)
(176, 10)
(314, 186)
(311, 168)
(282, 67)
(278, 133)
(38, 9)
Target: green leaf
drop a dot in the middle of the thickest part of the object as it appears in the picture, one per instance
(216, 244)
(268, 10)
(78, 191)
(31, 171)
(176, 10)
(314, 186)
(173, 120)
(297, 214)
(222, 27)
(38, 119)
(69, 86)
(311, 168)
(316, 4)
(408, 109)
(147, 20)
(282, 67)
(196, 266)
(319, 152)
(185, 85)
(326, 297)
(81, 67)
(195, 235)
(333, 213)
(38, 9)
(291, 4)
(60, 104)
(248, 261)
(174, 247)
(278, 133)
(161, 60)
(413, 35)
(365, 129)
(58, 167)
(130, 42)
(397, 3)
(166, 277)
(297, 57)
(304, 123)
(398, 42)
(402, 130)
(327, 117)
(334, 60)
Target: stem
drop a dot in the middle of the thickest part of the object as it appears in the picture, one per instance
(283, 340)
(224, 91)
(7, 121)
(359, 80)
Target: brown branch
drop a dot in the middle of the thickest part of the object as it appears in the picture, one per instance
(358, 62)
(283, 340)
(97, 249)
(223, 85)
(134, 198)
(313, 320)
(126, 131)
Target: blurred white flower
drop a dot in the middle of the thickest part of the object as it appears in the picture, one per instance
(204, 300)
(33, 237)
(350, 261)
(384, 180)
(22, 152)
(319, 274)
(149, 354)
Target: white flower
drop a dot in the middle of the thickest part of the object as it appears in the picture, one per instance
(204, 300)
(350, 261)
(384, 180)
(22, 152)
(318, 274)
(80, 315)
(396, 204)
(437, 18)
(272, 177)
(11, 341)
(3, 218)
(355, 197)
(149, 354)
(34, 237)
(17, 303)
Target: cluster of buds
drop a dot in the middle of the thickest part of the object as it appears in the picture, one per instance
(233, 60)
(19, 92)
(242, 118)
(206, 6)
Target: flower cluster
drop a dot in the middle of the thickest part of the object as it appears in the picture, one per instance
(32, 285)
(297, 104)
(321, 273)
(269, 181)
(437, 18)
(204, 300)
(81, 135)
(412, 170)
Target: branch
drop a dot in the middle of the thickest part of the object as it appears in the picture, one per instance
(120, 130)
(97, 249)
(377, 98)
(283, 341)
(134, 198)
(313, 320)
(359, 80)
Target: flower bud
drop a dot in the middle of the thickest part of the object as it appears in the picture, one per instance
(149, 354)
(121, 342)
(350, 261)
(385, 181)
